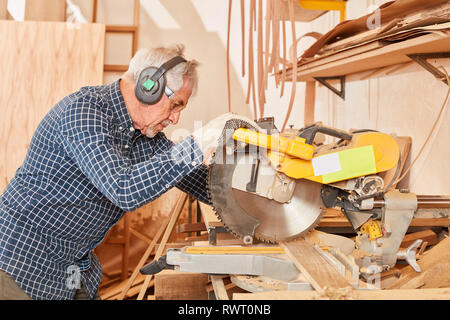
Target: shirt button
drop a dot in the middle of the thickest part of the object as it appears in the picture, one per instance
(167, 185)
(194, 163)
(120, 128)
(126, 147)
(132, 129)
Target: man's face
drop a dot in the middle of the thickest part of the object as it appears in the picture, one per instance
(154, 118)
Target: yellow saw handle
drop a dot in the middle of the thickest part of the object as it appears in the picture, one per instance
(367, 153)
(293, 146)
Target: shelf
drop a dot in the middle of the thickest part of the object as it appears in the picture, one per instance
(375, 55)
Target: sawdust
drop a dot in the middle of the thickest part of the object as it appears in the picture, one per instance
(335, 294)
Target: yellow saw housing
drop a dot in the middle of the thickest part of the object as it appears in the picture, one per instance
(367, 153)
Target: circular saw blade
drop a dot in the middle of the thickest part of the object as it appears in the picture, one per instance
(246, 214)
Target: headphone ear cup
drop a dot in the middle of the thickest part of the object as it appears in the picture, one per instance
(148, 91)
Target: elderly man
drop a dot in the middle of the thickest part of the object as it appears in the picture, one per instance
(98, 153)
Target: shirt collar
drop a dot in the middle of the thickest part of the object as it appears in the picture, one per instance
(121, 114)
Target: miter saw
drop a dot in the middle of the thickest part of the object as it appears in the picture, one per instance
(267, 186)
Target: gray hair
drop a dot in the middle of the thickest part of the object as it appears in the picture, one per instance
(155, 57)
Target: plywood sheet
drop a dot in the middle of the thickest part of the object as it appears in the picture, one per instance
(41, 62)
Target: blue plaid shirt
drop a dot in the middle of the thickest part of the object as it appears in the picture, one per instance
(86, 166)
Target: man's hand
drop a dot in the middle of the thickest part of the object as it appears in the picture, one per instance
(208, 135)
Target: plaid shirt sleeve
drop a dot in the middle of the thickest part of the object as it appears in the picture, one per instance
(195, 183)
(87, 139)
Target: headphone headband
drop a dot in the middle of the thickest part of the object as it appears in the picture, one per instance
(166, 66)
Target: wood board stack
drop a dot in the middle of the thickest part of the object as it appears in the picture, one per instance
(354, 46)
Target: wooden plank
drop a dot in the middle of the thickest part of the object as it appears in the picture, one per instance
(176, 285)
(313, 266)
(426, 235)
(219, 288)
(52, 61)
(191, 227)
(401, 294)
(333, 57)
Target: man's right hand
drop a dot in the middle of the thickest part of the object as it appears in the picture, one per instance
(208, 136)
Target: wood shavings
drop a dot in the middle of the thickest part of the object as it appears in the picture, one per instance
(335, 294)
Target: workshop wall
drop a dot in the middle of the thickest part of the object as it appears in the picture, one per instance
(405, 103)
